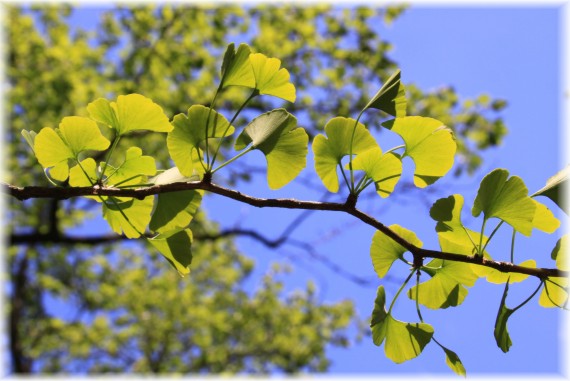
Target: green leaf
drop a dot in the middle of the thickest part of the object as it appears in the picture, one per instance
(498, 277)
(85, 175)
(137, 211)
(544, 219)
(404, 341)
(236, 67)
(446, 288)
(29, 137)
(284, 145)
(560, 253)
(384, 250)
(173, 175)
(55, 147)
(555, 189)
(501, 333)
(429, 143)
(505, 199)
(176, 247)
(134, 169)
(391, 98)
(190, 131)
(129, 113)
(330, 149)
(454, 362)
(175, 210)
(270, 79)
(385, 170)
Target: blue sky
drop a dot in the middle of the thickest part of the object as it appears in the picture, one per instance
(512, 53)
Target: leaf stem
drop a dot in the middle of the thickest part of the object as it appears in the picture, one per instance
(400, 290)
(351, 187)
(111, 150)
(479, 251)
(491, 236)
(344, 175)
(395, 148)
(418, 295)
(250, 148)
(206, 137)
(529, 298)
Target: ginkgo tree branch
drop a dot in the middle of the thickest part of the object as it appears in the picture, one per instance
(349, 207)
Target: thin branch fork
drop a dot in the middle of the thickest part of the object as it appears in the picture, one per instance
(24, 193)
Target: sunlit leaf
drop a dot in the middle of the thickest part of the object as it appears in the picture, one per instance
(498, 277)
(544, 218)
(176, 247)
(385, 170)
(175, 210)
(555, 189)
(134, 169)
(236, 67)
(560, 253)
(391, 98)
(284, 145)
(84, 175)
(505, 199)
(502, 336)
(137, 211)
(404, 341)
(55, 147)
(429, 143)
(270, 79)
(29, 137)
(190, 131)
(330, 149)
(454, 362)
(129, 113)
(384, 250)
(554, 293)
(172, 175)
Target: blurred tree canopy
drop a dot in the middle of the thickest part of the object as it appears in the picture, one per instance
(97, 305)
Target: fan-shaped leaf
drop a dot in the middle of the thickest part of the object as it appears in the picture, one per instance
(236, 67)
(385, 170)
(505, 199)
(544, 219)
(391, 98)
(404, 341)
(429, 143)
(270, 79)
(453, 361)
(283, 143)
(190, 131)
(560, 253)
(175, 210)
(134, 169)
(176, 247)
(129, 113)
(555, 189)
(330, 149)
(84, 175)
(173, 175)
(137, 211)
(29, 137)
(554, 293)
(54, 148)
(384, 250)
(498, 277)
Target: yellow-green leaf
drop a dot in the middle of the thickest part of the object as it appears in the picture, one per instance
(129, 113)
(498, 277)
(175, 210)
(137, 211)
(556, 188)
(236, 67)
(391, 98)
(176, 247)
(84, 175)
(384, 250)
(505, 199)
(55, 147)
(544, 219)
(330, 149)
(385, 170)
(429, 143)
(270, 79)
(134, 169)
(190, 131)
(554, 293)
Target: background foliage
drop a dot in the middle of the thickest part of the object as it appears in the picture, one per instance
(63, 291)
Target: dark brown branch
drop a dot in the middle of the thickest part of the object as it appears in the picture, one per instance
(348, 207)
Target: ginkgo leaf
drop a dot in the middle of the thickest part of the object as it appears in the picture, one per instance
(173, 175)
(391, 98)
(190, 131)
(385, 170)
(429, 144)
(236, 67)
(29, 137)
(55, 147)
(137, 211)
(175, 210)
(284, 145)
(446, 288)
(85, 175)
(384, 250)
(505, 199)
(403, 341)
(176, 247)
(554, 293)
(560, 253)
(498, 277)
(555, 189)
(544, 218)
(453, 361)
(270, 79)
(134, 169)
(129, 113)
(330, 149)
(502, 336)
